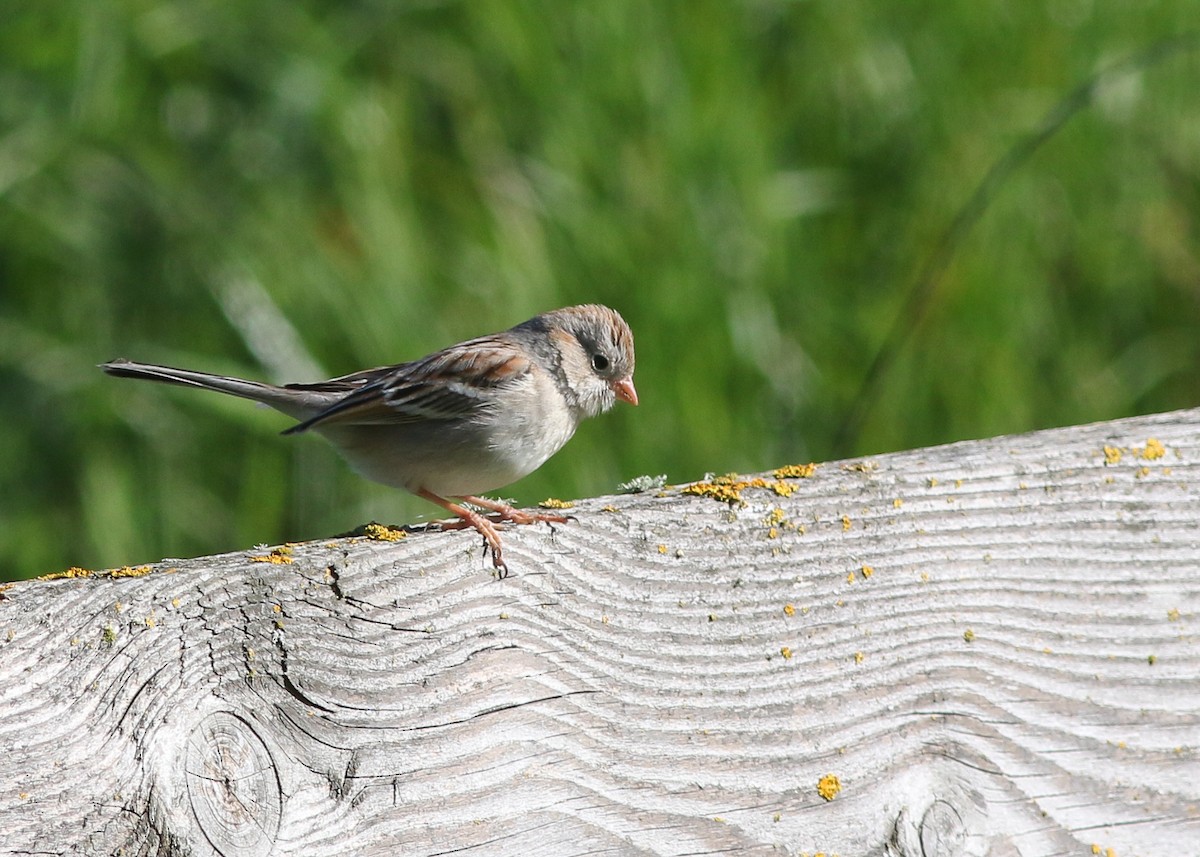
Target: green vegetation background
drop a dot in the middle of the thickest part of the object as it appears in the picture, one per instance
(290, 190)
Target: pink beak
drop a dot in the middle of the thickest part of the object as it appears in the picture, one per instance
(624, 390)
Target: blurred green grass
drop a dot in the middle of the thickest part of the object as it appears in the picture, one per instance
(291, 190)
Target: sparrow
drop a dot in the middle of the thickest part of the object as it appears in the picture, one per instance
(460, 422)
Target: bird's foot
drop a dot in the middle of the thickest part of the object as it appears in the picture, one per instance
(468, 517)
(505, 512)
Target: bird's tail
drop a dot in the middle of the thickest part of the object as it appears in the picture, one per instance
(277, 397)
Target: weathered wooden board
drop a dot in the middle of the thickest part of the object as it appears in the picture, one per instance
(994, 646)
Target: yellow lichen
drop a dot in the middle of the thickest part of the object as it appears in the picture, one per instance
(897, 503)
(729, 488)
(281, 555)
(1112, 454)
(383, 533)
(859, 657)
(796, 471)
(1154, 450)
(783, 489)
(72, 572)
(555, 503)
(725, 493)
(789, 610)
(861, 467)
(1173, 614)
(126, 571)
(846, 524)
(609, 508)
(829, 786)
(867, 571)
(273, 558)
(786, 652)
(969, 635)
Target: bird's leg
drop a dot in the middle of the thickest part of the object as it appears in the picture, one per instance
(508, 513)
(471, 518)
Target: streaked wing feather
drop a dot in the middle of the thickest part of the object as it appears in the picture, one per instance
(421, 390)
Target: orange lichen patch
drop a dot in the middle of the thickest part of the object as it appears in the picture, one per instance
(126, 571)
(717, 491)
(789, 610)
(555, 503)
(1112, 454)
(796, 471)
(729, 488)
(786, 651)
(783, 489)
(383, 533)
(846, 524)
(867, 571)
(829, 786)
(71, 572)
(281, 555)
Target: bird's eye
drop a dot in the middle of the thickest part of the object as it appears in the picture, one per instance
(599, 362)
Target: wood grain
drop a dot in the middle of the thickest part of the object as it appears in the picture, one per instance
(992, 646)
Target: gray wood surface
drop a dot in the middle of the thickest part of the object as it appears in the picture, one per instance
(1017, 674)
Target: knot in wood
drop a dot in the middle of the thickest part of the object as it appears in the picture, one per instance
(233, 786)
(942, 831)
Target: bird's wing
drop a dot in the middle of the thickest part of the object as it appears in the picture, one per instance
(450, 384)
